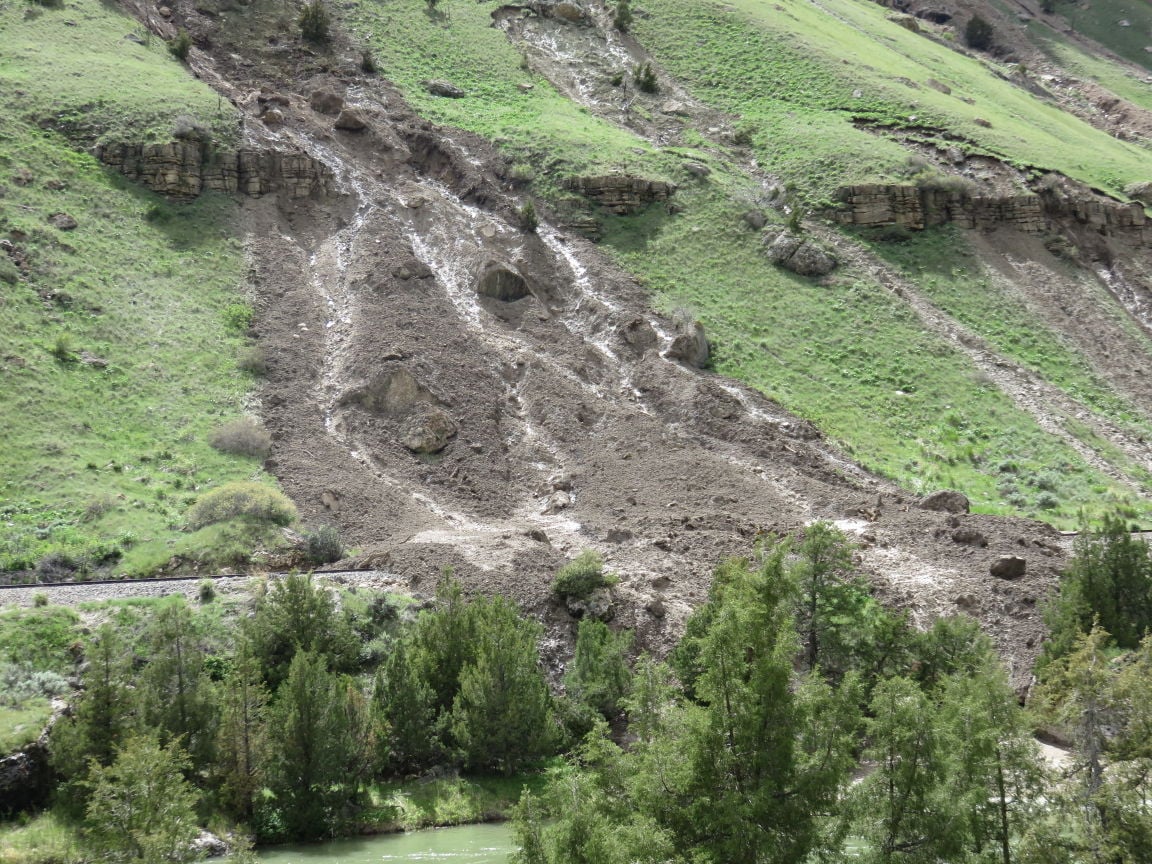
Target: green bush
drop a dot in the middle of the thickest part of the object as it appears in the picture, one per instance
(243, 437)
(180, 45)
(253, 361)
(528, 219)
(622, 19)
(324, 545)
(645, 78)
(241, 500)
(238, 317)
(978, 33)
(314, 23)
(581, 576)
(206, 592)
(367, 62)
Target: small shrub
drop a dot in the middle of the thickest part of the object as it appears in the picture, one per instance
(622, 19)
(187, 126)
(521, 172)
(56, 566)
(243, 437)
(9, 272)
(238, 317)
(1047, 501)
(617, 79)
(39, 599)
(50, 4)
(581, 576)
(206, 592)
(180, 45)
(528, 220)
(645, 78)
(743, 134)
(314, 23)
(368, 62)
(241, 500)
(62, 348)
(253, 361)
(978, 33)
(324, 545)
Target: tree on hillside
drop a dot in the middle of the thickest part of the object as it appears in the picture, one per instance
(502, 715)
(242, 740)
(141, 809)
(316, 745)
(598, 675)
(404, 708)
(295, 615)
(104, 714)
(177, 696)
(443, 640)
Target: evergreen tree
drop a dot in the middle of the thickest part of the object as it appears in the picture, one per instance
(141, 809)
(832, 598)
(502, 715)
(308, 769)
(298, 615)
(598, 675)
(442, 642)
(177, 696)
(242, 741)
(104, 715)
(405, 712)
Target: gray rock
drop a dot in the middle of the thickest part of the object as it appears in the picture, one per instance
(675, 108)
(429, 431)
(639, 334)
(655, 608)
(969, 537)
(697, 169)
(945, 501)
(801, 255)
(208, 845)
(755, 219)
(272, 117)
(62, 221)
(597, 605)
(326, 101)
(1008, 567)
(556, 502)
(444, 88)
(690, 347)
(350, 120)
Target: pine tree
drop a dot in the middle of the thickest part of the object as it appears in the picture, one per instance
(405, 712)
(598, 675)
(242, 741)
(308, 769)
(502, 715)
(141, 809)
(177, 696)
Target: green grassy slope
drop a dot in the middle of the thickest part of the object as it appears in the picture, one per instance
(100, 462)
(851, 357)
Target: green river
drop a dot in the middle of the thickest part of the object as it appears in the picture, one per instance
(465, 844)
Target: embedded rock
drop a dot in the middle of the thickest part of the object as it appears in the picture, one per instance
(62, 221)
(945, 501)
(444, 88)
(801, 255)
(429, 432)
(969, 537)
(1008, 567)
(183, 169)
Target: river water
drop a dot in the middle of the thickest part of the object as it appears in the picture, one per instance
(464, 844)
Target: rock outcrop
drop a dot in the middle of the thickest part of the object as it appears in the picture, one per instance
(184, 169)
(622, 194)
(801, 255)
(876, 205)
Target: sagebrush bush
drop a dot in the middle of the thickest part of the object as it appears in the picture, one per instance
(19, 682)
(367, 62)
(622, 19)
(581, 576)
(206, 592)
(253, 361)
(243, 437)
(645, 78)
(241, 500)
(324, 545)
(528, 219)
(314, 22)
(238, 317)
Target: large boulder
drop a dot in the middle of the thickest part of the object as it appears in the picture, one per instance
(326, 101)
(351, 120)
(429, 431)
(501, 283)
(690, 346)
(802, 255)
(945, 501)
(444, 88)
(1008, 567)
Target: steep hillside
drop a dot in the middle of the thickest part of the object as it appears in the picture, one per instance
(480, 245)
